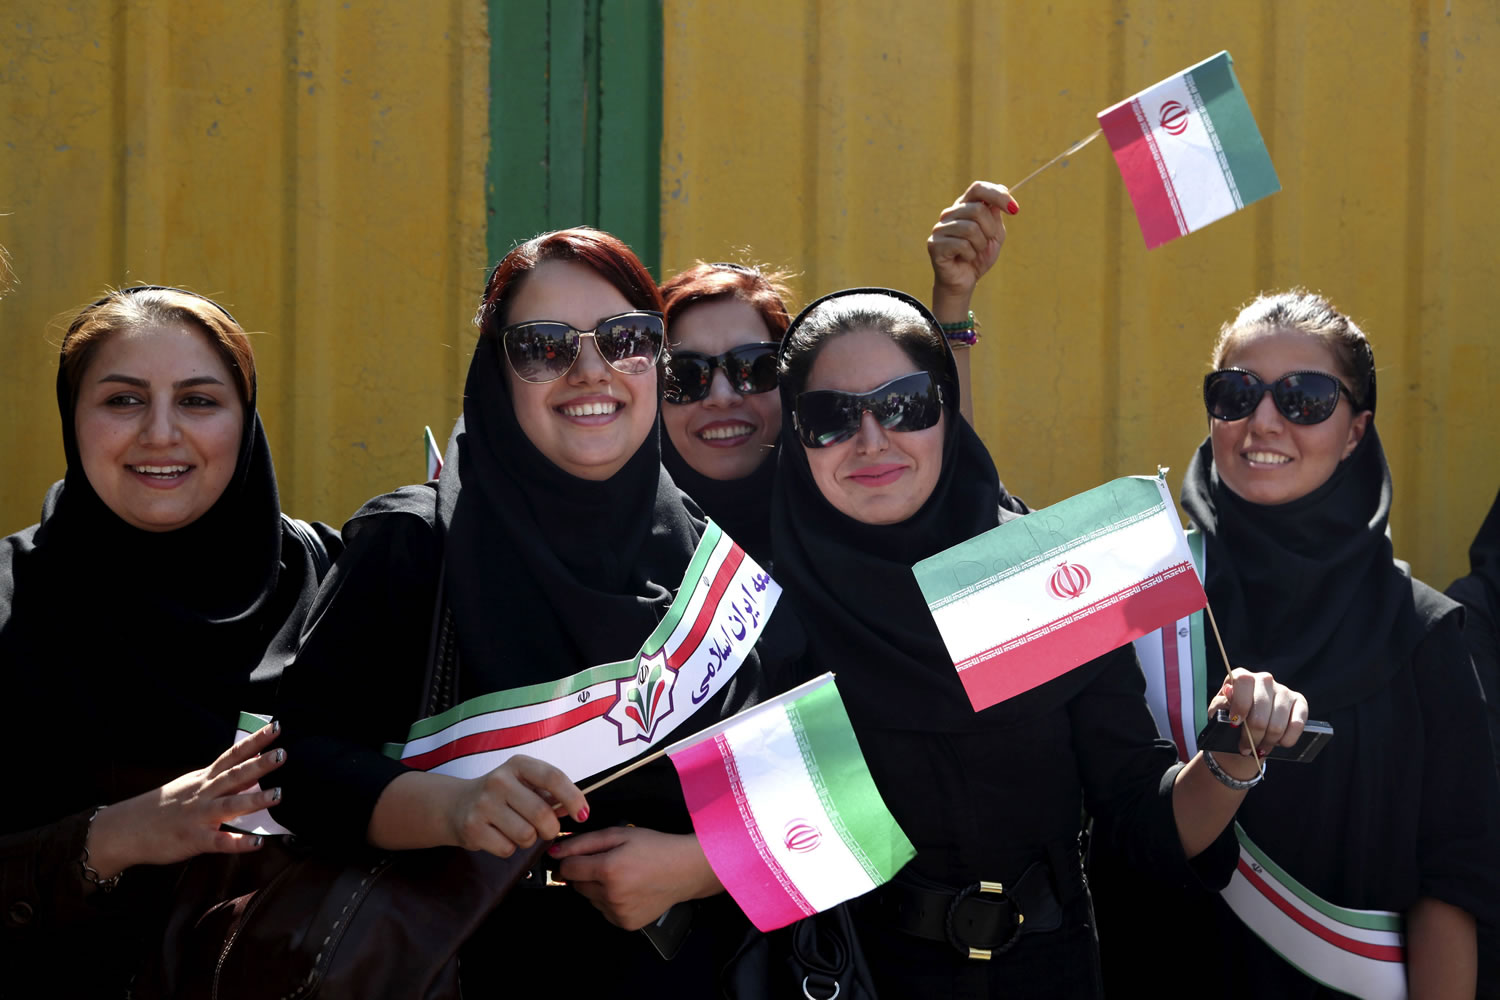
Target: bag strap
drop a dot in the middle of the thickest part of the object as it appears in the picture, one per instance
(308, 536)
(440, 681)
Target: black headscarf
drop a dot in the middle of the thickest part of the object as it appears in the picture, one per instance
(852, 583)
(127, 655)
(742, 507)
(1309, 590)
(1484, 554)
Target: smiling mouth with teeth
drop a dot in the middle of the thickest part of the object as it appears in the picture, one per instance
(160, 471)
(597, 409)
(725, 432)
(1266, 458)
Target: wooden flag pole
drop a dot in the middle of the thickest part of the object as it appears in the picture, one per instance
(1065, 153)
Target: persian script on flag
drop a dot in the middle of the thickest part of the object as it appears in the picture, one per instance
(1189, 150)
(1030, 600)
(785, 808)
(605, 716)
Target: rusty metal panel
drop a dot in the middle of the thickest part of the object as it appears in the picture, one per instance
(827, 135)
(318, 167)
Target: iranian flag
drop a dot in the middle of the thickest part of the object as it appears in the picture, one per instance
(434, 455)
(1189, 151)
(785, 808)
(1030, 600)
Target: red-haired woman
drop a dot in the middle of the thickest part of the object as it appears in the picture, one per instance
(560, 546)
(160, 595)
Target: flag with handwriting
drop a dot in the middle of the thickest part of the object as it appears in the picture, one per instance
(1189, 150)
(785, 808)
(1036, 597)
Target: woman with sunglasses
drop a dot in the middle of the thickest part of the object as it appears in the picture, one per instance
(160, 595)
(881, 471)
(1393, 828)
(720, 407)
(560, 545)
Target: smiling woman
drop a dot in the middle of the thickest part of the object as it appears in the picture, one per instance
(161, 594)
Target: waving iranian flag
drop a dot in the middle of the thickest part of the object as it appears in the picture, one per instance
(1189, 150)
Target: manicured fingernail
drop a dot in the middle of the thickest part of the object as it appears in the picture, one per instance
(1013, 208)
(275, 795)
(259, 841)
(1235, 720)
(275, 725)
(280, 756)
(553, 850)
(1261, 753)
(583, 814)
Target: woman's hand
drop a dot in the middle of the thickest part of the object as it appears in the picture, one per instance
(1272, 714)
(965, 244)
(182, 818)
(633, 876)
(515, 805)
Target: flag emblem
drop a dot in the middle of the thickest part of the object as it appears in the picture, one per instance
(643, 699)
(1174, 117)
(802, 836)
(1069, 580)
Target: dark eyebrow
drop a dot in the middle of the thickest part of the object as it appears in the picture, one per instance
(142, 383)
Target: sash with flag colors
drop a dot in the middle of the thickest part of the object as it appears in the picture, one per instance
(1030, 600)
(785, 808)
(434, 454)
(604, 716)
(259, 821)
(1189, 150)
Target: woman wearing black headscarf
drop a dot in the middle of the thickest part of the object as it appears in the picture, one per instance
(880, 471)
(1479, 593)
(559, 543)
(160, 595)
(1394, 827)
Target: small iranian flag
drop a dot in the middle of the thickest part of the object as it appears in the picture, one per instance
(1189, 151)
(1030, 600)
(434, 455)
(785, 808)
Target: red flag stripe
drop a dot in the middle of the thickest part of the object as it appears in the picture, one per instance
(689, 644)
(1379, 952)
(511, 736)
(1174, 685)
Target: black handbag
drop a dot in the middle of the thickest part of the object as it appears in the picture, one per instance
(816, 958)
(294, 923)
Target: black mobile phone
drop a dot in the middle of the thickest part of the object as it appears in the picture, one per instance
(1225, 738)
(669, 930)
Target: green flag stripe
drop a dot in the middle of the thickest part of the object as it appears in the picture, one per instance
(249, 721)
(1229, 112)
(690, 579)
(848, 793)
(1019, 545)
(1196, 624)
(1354, 918)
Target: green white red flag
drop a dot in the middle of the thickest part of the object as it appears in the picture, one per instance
(434, 454)
(259, 821)
(1189, 150)
(1032, 599)
(785, 808)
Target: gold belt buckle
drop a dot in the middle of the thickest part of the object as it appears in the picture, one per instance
(998, 889)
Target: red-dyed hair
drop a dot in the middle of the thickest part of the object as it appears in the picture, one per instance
(765, 292)
(607, 255)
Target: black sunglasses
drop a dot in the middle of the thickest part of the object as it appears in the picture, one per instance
(1302, 397)
(750, 368)
(824, 417)
(544, 350)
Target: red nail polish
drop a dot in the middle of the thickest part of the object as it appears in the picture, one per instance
(1261, 753)
(1013, 208)
(583, 814)
(553, 850)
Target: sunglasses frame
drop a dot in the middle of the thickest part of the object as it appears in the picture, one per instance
(575, 342)
(1261, 387)
(934, 386)
(672, 392)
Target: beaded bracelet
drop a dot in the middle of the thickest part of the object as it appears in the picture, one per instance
(1228, 780)
(90, 875)
(964, 333)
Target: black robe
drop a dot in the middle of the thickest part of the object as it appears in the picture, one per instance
(125, 659)
(546, 574)
(1402, 804)
(742, 507)
(981, 795)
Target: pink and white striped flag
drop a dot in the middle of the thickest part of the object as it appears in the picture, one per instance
(1189, 150)
(785, 808)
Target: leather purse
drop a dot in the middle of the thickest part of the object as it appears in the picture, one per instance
(816, 958)
(293, 922)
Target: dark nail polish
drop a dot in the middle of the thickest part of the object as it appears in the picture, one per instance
(259, 841)
(275, 795)
(280, 756)
(275, 726)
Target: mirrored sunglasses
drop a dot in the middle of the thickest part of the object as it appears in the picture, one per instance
(545, 350)
(750, 369)
(1302, 397)
(824, 417)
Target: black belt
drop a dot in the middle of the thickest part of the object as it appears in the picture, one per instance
(980, 920)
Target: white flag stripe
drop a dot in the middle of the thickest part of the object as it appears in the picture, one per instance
(775, 779)
(1148, 651)
(259, 821)
(1114, 562)
(1368, 935)
(507, 717)
(1191, 158)
(1360, 976)
(700, 592)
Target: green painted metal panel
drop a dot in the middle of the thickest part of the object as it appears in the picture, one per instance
(630, 124)
(516, 177)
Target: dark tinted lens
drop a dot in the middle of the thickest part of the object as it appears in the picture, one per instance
(689, 376)
(825, 418)
(1231, 395)
(909, 404)
(752, 368)
(540, 352)
(631, 343)
(1307, 397)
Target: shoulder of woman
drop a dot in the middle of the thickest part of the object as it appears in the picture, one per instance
(1435, 610)
(406, 504)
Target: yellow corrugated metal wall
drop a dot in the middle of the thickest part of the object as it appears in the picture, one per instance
(827, 135)
(317, 165)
